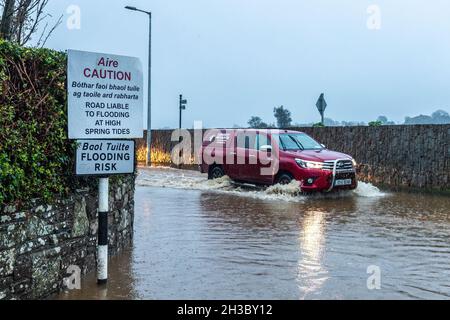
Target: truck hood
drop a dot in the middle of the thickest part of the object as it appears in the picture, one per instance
(318, 155)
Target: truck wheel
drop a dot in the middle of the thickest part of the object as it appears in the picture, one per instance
(284, 179)
(215, 172)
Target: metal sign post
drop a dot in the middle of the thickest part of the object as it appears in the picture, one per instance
(321, 106)
(105, 101)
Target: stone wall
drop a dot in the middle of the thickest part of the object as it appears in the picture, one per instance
(406, 157)
(37, 245)
(409, 157)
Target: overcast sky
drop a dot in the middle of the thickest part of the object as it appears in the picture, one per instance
(233, 59)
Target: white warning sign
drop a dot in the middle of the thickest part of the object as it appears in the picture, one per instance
(105, 157)
(105, 96)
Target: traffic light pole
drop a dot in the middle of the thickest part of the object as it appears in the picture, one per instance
(181, 110)
(183, 104)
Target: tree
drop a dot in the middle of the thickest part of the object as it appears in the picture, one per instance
(327, 122)
(385, 121)
(422, 119)
(21, 20)
(440, 117)
(6, 23)
(283, 117)
(257, 123)
(382, 119)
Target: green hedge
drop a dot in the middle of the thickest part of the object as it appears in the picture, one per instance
(36, 159)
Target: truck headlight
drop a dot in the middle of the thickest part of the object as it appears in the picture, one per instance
(309, 164)
(355, 164)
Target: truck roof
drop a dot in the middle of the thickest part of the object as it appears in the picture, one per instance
(274, 131)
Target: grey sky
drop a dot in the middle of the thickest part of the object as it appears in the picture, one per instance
(236, 58)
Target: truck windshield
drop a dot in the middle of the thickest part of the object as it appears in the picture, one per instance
(297, 141)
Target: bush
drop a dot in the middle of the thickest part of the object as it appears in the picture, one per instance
(36, 159)
(375, 124)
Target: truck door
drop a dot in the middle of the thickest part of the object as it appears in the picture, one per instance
(259, 156)
(246, 155)
(265, 158)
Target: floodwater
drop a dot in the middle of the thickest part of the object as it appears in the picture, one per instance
(199, 239)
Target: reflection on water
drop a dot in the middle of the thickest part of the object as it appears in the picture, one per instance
(120, 284)
(312, 273)
(196, 239)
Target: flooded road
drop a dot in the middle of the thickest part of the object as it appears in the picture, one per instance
(197, 239)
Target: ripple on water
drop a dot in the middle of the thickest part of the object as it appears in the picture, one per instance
(228, 242)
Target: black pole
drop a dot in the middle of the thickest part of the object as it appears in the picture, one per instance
(181, 109)
(102, 249)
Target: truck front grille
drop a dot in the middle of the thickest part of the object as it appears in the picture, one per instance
(341, 166)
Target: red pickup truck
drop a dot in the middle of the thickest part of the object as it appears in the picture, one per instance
(269, 157)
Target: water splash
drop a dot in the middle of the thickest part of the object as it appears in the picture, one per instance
(368, 190)
(291, 189)
(191, 180)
